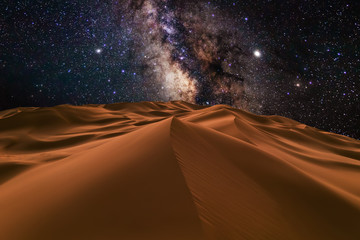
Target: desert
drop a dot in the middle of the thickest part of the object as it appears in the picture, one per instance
(173, 170)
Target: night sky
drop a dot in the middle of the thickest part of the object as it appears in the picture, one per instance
(299, 59)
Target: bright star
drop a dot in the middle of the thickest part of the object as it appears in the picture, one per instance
(257, 53)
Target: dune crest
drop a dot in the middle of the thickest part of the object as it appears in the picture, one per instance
(174, 170)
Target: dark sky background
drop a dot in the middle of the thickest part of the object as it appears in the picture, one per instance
(299, 59)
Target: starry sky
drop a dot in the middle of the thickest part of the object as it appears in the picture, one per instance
(296, 58)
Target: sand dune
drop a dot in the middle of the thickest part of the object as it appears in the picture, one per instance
(173, 171)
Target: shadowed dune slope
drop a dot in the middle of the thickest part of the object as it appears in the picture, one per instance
(173, 170)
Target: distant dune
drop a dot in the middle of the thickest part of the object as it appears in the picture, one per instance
(173, 171)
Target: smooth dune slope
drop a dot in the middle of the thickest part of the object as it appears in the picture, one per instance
(173, 171)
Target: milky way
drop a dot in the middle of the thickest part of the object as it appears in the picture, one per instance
(190, 54)
(298, 59)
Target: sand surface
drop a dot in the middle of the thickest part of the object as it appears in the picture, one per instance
(173, 171)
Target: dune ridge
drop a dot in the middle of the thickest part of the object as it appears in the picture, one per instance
(154, 170)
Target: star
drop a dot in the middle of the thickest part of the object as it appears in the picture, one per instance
(257, 53)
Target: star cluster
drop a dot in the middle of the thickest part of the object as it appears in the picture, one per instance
(298, 59)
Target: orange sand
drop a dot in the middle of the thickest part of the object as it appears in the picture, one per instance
(173, 171)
